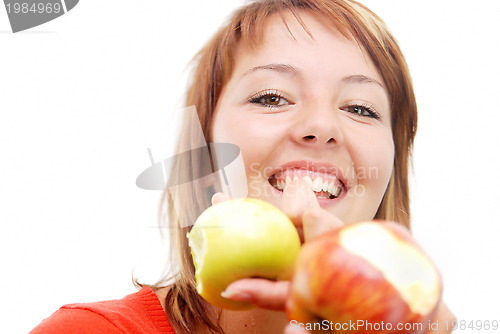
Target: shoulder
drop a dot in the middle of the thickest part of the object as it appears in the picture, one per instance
(140, 312)
(75, 321)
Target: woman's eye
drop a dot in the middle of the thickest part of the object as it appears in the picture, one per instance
(363, 111)
(272, 100)
(269, 99)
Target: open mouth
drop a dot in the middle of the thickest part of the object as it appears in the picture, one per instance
(324, 186)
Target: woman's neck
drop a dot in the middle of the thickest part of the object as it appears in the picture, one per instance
(256, 321)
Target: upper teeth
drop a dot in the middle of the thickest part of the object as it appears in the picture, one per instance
(317, 185)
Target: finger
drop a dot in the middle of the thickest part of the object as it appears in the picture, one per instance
(263, 293)
(443, 314)
(219, 198)
(297, 197)
(317, 221)
(292, 329)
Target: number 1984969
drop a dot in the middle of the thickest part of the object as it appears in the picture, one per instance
(25, 8)
(473, 325)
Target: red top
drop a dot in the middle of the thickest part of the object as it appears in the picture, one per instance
(140, 312)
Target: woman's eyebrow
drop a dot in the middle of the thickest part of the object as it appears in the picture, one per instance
(359, 78)
(289, 69)
(281, 68)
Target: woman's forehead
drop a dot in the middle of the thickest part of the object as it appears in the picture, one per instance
(286, 41)
(301, 25)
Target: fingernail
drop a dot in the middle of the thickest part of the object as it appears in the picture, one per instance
(236, 295)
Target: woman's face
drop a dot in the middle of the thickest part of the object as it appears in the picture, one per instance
(315, 109)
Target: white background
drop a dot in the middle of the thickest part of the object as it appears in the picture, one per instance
(84, 96)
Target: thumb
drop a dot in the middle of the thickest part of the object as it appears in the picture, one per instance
(317, 221)
(297, 197)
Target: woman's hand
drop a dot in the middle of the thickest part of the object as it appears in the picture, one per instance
(301, 206)
(443, 315)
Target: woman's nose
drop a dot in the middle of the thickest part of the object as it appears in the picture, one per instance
(319, 126)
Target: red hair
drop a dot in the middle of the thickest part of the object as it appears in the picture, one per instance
(215, 63)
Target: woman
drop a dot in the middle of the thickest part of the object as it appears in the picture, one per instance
(308, 90)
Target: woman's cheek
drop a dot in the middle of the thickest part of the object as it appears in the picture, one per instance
(373, 166)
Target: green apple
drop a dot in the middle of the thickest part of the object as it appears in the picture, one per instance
(241, 239)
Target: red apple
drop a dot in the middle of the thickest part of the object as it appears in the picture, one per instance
(369, 277)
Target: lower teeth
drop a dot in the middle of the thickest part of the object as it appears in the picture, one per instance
(321, 194)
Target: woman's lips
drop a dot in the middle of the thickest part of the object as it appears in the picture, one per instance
(323, 202)
(325, 179)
